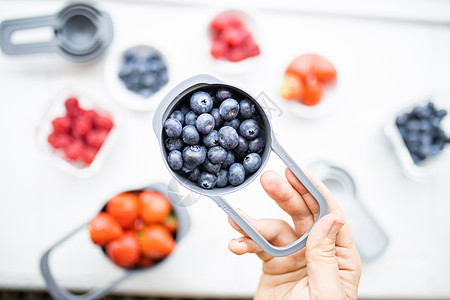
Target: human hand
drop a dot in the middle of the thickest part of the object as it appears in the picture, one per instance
(328, 267)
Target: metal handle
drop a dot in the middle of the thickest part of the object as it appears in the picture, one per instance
(57, 292)
(7, 28)
(255, 235)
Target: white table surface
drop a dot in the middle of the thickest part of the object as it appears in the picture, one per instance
(386, 57)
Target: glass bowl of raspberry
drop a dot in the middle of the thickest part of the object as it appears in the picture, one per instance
(76, 133)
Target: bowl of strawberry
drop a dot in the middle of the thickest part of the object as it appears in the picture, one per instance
(76, 133)
(233, 40)
(136, 230)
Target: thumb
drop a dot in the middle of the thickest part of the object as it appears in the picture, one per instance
(323, 270)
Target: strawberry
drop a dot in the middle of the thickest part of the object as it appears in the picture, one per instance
(72, 107)
(156, 241)
(74, 150)
(103, 122)
(145, 262)
(96, 137)
(124, 251)
(313, 91)
(81, 126)
(124, 208)
(154, 207)
(59, 140)
(61, 124)
(88, 155)
(103, 228)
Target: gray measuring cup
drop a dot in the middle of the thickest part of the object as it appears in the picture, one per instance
(58, 292)
(81, 33)
(206, 82)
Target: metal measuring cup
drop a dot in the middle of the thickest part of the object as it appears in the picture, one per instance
(205, 82)
(81, 33)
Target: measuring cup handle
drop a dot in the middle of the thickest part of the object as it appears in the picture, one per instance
(8, 27)
(57, 292)
(302, 177)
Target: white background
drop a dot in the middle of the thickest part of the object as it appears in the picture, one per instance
(388, 55)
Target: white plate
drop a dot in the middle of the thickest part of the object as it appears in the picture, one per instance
(116, 86)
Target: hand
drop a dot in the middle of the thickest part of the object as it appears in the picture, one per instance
(328, 267)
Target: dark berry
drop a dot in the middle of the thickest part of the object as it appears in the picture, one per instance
(177, 114)
(207, 180)
(205, 123)
(211, 167)
(190, 135)
(173, 128)
(217, 154)
(229, 109)
(229, 160)
(236, 174)
(249, 129)
(242, 146)
(211, 139)
(193, 175)
(217, 118)
(174, 144)
(175, 160)
(235, 123)
(228, 137)
(194, 155)
(252, 162)
(256, 145)
(201, 102)
(190, 118)
(223, 94)
(246, 109)
(222, 178)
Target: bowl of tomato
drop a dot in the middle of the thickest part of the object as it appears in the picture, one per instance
(136, 229)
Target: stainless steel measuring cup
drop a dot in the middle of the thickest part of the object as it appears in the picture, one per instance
(81, 33)
(206, 82)
(60, 293)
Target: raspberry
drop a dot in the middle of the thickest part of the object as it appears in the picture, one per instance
(59, 140)
(237, 54)
(219, 23)
(61, 124)
(103, 122)
(88, 155)
(96, 137)
(74, 150)
(72, 107)
(90, 114)
(234, 36)
(218, 48)
(81, 126)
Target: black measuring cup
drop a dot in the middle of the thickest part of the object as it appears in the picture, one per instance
(81, 33)
(205, 82)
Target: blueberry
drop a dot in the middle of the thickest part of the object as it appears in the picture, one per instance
(190, 118)
(223, 94)
(402, 119)
(229, 160)
(242, 146)
(205, 123)
(235, 123)
(173, 144)
(125, 71)
(211, 139)
(246, 109)
(207, 180)
(194, 174)
(249, 129)
(211, 167)
(256, 145)
(172, 127)
(185, 109)
(175, 160)
(413, 125)
(149, 80)
(228, 137)
(441, 113)
(236, 174)
(217, 118)
(188, 167)
(177, 114)
(222, 178)
(201, 102)
(252, 162)
(216, 102)
(229, 109)
(194, 155)
(190, 135)
(217, 154)
(130, 54)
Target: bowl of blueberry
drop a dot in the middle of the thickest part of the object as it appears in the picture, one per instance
(420, 137)
(215, 139)
(136, 75)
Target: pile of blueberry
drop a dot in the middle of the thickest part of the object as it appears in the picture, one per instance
(143, 71)
(214, 139)
(422, 132)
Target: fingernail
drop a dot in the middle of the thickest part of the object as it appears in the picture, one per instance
(335, 228)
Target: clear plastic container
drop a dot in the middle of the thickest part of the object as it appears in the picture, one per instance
(56, 108)
(430, 165)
